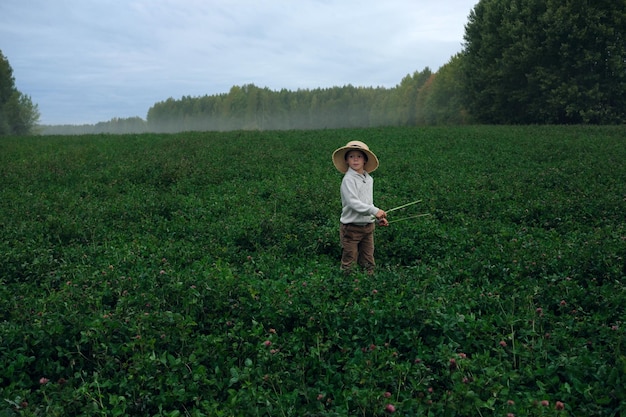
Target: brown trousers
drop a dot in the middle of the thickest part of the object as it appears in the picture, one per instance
(357, 243)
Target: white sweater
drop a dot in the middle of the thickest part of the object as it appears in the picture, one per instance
(357, 198)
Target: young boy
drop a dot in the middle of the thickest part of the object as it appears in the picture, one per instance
(358, 211)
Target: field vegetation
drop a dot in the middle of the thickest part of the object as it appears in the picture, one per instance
(197, 274)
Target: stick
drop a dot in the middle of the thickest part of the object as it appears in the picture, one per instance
(403, 206)
(410, 217)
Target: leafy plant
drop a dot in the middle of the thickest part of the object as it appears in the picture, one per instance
(198, 275)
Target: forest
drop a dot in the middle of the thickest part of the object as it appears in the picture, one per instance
(250, 107)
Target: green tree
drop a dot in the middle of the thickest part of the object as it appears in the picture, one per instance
(440, 98)
(21, 114)
(407, 93)
(18, 114)
(538, 61)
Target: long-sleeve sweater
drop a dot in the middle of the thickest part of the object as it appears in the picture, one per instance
(357, 198)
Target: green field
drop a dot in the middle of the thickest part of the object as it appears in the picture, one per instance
(198, 275)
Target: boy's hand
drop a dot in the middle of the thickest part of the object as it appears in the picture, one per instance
(381, 216)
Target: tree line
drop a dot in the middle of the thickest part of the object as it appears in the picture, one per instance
(522, 62)
(259, 108)
(253, 107)
(416, 100)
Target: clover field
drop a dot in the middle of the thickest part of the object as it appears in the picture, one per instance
(198, 275)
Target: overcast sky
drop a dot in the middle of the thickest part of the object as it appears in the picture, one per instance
(87, 61)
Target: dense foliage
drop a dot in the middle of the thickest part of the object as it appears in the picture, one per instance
(197, 274)
(554, 62)
(440, 99)
(18, 114)
(253, 108)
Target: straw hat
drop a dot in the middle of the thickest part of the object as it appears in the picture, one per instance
(339, 156)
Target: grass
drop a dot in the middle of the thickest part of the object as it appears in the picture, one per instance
(197, 274)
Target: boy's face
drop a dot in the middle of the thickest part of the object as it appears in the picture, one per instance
(356, 160)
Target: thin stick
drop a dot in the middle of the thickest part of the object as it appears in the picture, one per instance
(410, 217)
(404, 205)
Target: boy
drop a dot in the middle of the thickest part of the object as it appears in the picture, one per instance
(356, 231)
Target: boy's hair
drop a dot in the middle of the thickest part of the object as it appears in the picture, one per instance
(345, 157)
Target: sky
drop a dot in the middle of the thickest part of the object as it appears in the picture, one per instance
(88, 61)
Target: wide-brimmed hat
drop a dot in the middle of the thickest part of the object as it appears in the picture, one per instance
(339, 156)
